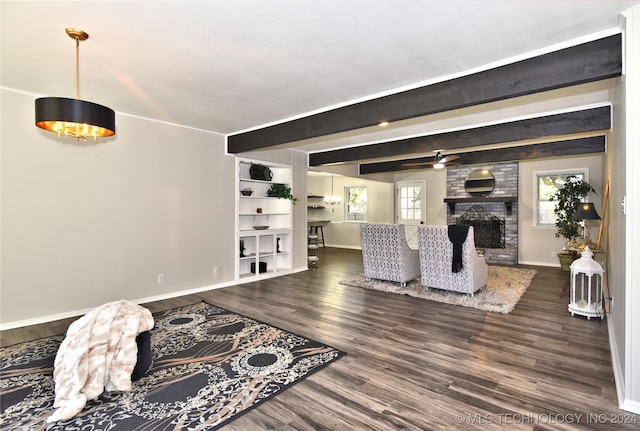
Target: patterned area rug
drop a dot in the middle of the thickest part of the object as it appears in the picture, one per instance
(209, 366)
(504, 289)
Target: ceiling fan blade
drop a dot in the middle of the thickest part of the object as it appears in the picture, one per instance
(449, 158)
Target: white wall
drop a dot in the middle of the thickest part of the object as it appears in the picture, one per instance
(381, 209)
(87, 223)
(624, 234)
(436, 192)
(615, 236)
(538, 245)
(341, 233)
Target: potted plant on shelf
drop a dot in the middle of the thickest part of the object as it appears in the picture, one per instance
(569, 196)
(281, 191)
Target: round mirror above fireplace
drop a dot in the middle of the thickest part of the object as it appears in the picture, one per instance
(479, 183)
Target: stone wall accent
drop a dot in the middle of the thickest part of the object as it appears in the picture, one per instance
(506, 178)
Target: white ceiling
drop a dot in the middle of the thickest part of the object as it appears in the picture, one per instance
(229, 66)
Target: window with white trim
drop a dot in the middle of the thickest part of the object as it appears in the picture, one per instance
(547, 183)
(355, 204)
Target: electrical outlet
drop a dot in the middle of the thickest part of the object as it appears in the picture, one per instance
(553, 254)
(215, 271)
(160, 278)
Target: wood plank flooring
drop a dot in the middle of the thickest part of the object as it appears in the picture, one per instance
(413, 364)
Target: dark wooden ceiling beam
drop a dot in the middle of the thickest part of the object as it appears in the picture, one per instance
(587, 120)
(588, 62)
(571, 147)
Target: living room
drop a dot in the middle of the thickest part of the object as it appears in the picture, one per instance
(88, 223)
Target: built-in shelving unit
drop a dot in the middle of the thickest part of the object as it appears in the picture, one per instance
(264, 229)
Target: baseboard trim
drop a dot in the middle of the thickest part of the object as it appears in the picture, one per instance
(350, 247)
(82, 312)
(615, 363)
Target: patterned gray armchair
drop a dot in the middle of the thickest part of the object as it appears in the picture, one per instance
(436, 254)
(386, 255)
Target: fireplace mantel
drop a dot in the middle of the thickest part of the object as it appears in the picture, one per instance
(508, 202)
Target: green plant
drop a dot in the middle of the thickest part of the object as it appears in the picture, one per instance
(569, 196)
(281, 191)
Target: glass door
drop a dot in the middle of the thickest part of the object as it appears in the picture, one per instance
(411, 208)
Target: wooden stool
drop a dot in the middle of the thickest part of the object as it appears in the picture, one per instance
(313, 230)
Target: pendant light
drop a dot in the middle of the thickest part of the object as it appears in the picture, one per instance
(333, 200)
(75, 117)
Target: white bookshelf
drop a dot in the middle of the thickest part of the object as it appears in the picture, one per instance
(267, 252)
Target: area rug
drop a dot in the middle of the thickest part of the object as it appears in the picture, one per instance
(503, 291)
(209, 366)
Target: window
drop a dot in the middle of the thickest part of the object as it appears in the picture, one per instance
(356, 204)
(547, 183)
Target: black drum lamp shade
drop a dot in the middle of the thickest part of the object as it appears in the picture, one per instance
(75, 117)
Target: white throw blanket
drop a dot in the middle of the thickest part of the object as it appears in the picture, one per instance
(98, 353)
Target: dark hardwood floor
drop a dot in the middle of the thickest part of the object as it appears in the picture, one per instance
(413, 364)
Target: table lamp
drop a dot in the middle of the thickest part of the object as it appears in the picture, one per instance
(586, 211)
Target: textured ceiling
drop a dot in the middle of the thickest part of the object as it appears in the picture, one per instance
(229, 66)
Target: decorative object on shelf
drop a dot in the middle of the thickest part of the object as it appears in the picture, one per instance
(246, 191)
(260, 172)
(75, 117)
(277, 245)
(259, 210)
(261, 227)
(281, 191)
(242, 249)
(569, 197)
(586, 275)
(262, 267)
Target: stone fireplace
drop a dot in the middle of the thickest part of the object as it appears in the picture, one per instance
(494, 217)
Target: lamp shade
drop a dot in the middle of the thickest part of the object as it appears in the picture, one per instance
(75, 117)
(586, 211)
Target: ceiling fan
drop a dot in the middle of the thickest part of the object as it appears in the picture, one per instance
(438, 162)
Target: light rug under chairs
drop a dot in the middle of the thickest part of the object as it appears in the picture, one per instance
(209, 366)
(503, 291)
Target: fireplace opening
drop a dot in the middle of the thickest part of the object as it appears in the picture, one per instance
(489, 230)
